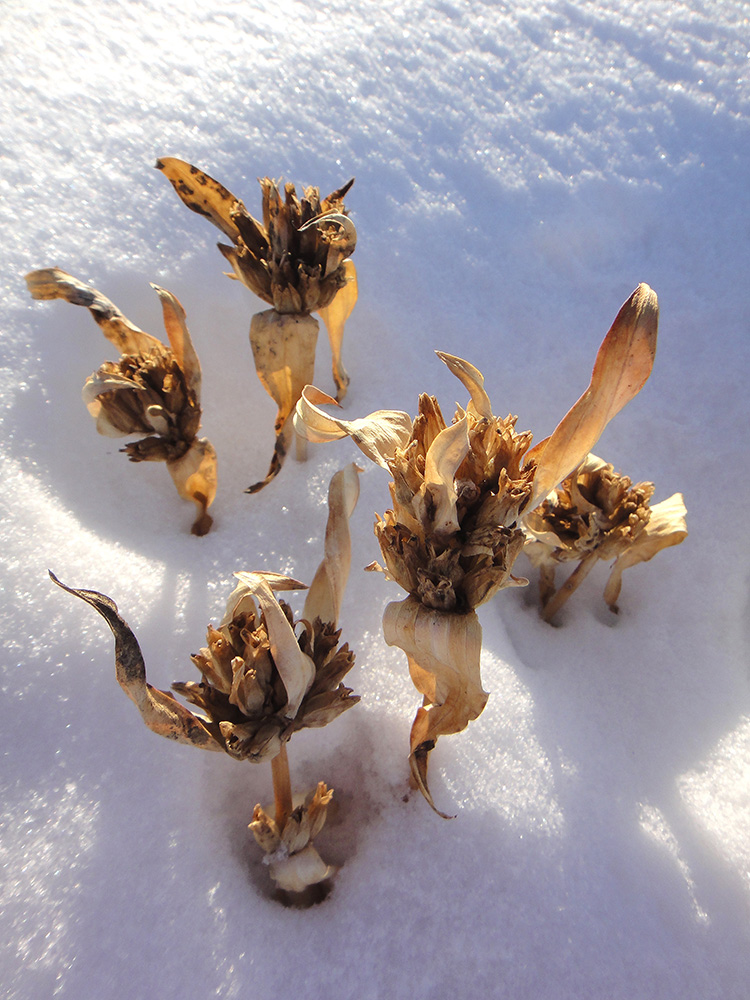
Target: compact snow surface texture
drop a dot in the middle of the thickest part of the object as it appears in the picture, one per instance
(520, 167)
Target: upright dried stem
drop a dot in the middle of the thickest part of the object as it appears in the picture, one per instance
(576, 578)
(282, 787)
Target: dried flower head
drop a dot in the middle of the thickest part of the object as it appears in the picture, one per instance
(460, 493)
(297, 260)
(596, 514)
(294, 259)
(293, 861)
(263, 677)
(152, 390)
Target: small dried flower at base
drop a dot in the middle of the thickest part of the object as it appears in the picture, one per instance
(153, 390)
(597, 514)
(296, 259)
(460, 494)
(293, 861)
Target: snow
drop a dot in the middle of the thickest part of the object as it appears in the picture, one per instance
(520, 168)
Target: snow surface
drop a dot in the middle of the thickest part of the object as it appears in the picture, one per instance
(520, 167)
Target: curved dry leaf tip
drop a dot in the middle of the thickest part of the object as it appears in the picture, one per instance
(201, 193)
(160, 711)
(472, 379)
(54, 283)
(378, 435)
(175, 324)
(623, 364)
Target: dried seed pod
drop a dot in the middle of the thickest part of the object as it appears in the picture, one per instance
(597, 514)
(297, 260)
(460, 494)
(152, 390)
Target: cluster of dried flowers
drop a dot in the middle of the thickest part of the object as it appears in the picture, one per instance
(463, 497)
(468, 496)
(296, 259)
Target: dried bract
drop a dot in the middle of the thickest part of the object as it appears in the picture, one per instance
(596, 514)
(152, 390)
(297, 260)
(460, 493)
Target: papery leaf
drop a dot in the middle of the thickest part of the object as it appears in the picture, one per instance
(161, 712)
(53, 283)
(623, 364)
(443, 650)
(334, 317)
(202, 194)
(180, 340)
(194, 475)
(665, 527)
(327, 589)
(296, 669)
(284, 352)
(473, 380)
(377, 435)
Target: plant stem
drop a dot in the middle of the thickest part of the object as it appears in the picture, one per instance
(577, 577)
(282, 787)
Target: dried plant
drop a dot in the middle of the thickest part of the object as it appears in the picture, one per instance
(460, 493)
(296, 259)
(260, 683)
(595, 514)
(152, 390)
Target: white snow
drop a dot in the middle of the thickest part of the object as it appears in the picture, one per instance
(520, 167)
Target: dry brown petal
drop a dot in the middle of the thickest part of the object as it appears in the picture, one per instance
(666, 527)
(161, 712)
(265, 831)
(443, 650)
(201, 193)
(623, 364)
(296, 669)
(377, 435)
(327, 589)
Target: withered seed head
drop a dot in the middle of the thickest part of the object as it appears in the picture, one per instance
(458, 565)
(243, 693)
(294, 258)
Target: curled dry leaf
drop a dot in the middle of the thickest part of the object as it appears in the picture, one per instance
(596, 514)
(153, 391)
(297, 260)
(443, 650)
(460, 495)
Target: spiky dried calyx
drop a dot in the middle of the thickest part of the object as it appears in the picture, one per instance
(243, 693)
(293, 861)
(293, 259)
(152, 390)
(596, 514)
